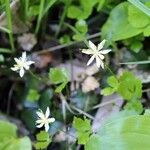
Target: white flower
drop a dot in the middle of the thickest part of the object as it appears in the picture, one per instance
(22, 64)
(96, 53)
(44, 119)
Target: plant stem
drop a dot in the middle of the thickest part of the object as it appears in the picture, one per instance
(42, 2)
(9, 21)
(63, 17)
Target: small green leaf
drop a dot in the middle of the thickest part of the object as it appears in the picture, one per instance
(135, 105)
(81, 26)
(33, 95)
(58, 75)
(113, 82)
(107, 91)
(42, 136)
(83, 128)
(43, 140)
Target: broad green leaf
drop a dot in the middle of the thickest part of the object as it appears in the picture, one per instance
(7, 130)
(125, 133)
(141, 6)
(137, 18)
(83, 128)
(146, 31)
(9, 140)
(117, 27)
(18, 144)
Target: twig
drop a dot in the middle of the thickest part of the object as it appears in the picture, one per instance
(66, 45)
(83, 112)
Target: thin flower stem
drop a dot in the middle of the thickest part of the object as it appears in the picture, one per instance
(110, 71)
(42, 79)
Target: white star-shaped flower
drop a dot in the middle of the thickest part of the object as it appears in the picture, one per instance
(44, 119)
(97, 53)
(22, 64)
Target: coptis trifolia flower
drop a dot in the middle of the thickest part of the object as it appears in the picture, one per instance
(97, 53)
(22, 64)
(44, 119)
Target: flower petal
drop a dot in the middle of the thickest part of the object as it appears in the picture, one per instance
(40, 125)
(87, 51)
(50, 120)
(98, 61)
(47, 112)
(92, 46)
(105, 51)
(17, 60)
(21, 73)
(101, 45)
(23, 56)
(102, 64)
(46, 127)
(101, 56)
(30, 62)
(27, 67)
(90, 60)
(40, 114)
(39, 121)
(14, 68)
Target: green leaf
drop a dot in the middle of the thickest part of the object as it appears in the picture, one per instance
(126, 133)
(134, 105)
(43, 140)
(117, 27)
(83, 128)
(129, 86)
(107, 91)
(58, 75)
(137, 18)
(112, 81)
(136, 46)
(60, 87)
(81, 26)
(141, 6)
(146, 31)
(9, 140)
(7, 130)
(33, 95)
